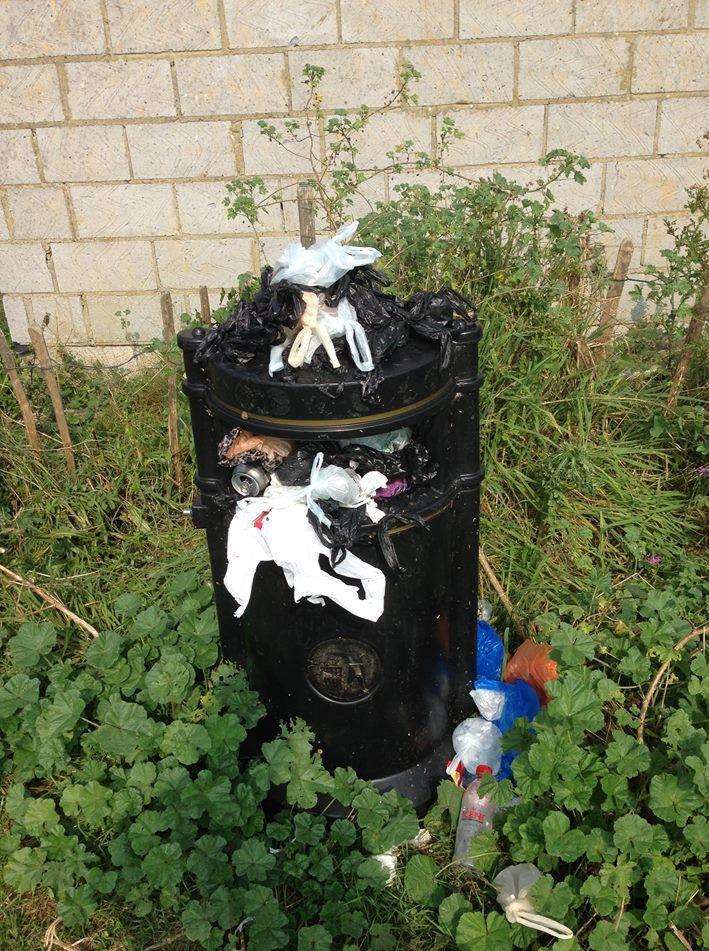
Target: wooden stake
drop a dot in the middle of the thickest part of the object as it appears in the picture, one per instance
(20, 394)
(168, 334)
(697, 321)
(306, 214)
(45, 365)
(204, 307)
(612, 301)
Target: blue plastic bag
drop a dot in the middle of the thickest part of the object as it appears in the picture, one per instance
(490, 652)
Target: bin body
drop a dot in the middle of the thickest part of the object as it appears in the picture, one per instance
(381, 697)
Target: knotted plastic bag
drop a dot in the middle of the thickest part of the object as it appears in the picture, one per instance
(503, 703)
(324, 263)
(476, 743)
(512, 886)
(531, 662)
(490, 652)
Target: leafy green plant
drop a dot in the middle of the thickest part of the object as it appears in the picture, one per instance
(668, 293)
(611, 793)
(127, 778)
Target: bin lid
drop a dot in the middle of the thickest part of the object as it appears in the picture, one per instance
(412, 384)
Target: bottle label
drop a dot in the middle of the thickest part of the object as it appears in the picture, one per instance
(473, 814)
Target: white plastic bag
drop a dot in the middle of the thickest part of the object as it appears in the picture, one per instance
(392, 441)
(342, 322)
(324, 262)
(284, 535)
(490, 703)
(512, 886)
(476, 743)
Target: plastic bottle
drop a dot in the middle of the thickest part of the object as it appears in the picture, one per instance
(476, 814)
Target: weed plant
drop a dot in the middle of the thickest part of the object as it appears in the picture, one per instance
(133, 809)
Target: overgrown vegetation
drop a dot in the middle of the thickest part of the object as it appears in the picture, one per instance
(134, 803)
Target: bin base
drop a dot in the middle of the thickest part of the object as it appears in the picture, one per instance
(419, 782)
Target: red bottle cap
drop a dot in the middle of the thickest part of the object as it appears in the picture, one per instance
(482, 769)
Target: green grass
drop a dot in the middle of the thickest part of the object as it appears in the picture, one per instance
(587, 475)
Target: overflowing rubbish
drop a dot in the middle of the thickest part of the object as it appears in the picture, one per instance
(297, 504)
(327, 303)
(500, 700)
(512, 886)
(283, 534)
(476, 742)
(490, 652)
(239, 446)
(502, 703)
(531, 662)
(393, 441)
(476, 815)
(248, 479)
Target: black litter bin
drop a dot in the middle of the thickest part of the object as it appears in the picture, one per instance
(381, 697)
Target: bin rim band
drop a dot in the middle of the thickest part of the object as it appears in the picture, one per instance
(349, 422)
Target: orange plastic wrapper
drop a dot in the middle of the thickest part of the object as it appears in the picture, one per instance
(531, 662)
(242, 446)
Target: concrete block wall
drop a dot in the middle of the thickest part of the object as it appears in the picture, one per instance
(121, 121)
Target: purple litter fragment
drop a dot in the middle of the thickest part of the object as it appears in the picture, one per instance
(395, 487)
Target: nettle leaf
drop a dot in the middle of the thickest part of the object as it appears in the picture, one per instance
(125, 730)
(401, 828)
(633, 835)
(571, 647)
(420, 878)
(371, 873)
(343, 833)
(40, 815)
(253, 861)
(662, 881)
(92, 802)
(17, 694)
(31, 642)
(696, 835)
(23, 869)
(475, 932)
(699, 766)
(163, 866)
(61, 716)
(602, 896)
(626, 755)
(450, 911)
(562, 841)
(104, 650)
(151, 623)
(185, 741)
(575, 703)
(679, 730)
(609, 936)
(314, 938)
(672, 800)
(196, 922)
(169, 680)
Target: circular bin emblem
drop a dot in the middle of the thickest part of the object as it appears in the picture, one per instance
(343, 669)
